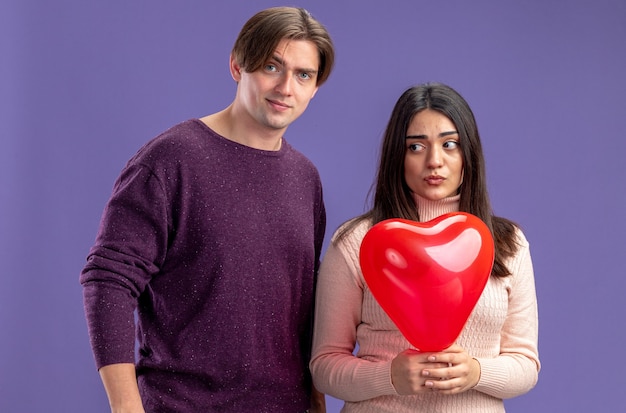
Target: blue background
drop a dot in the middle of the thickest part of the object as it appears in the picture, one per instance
(83, 84)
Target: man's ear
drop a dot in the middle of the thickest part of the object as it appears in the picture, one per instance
(235, 69)
(315, 91)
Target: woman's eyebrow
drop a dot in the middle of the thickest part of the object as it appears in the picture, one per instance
(441, 135)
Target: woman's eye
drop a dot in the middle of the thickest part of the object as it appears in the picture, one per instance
(451, 145)
(416, 147)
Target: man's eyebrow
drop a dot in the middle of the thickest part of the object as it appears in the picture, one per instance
(280, 61)
(441, 135)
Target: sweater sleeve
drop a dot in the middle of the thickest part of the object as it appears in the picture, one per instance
(515, 370)
(130, 245)
(336, 370)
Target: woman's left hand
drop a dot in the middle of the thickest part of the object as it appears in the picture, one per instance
(318, 401)
(462, 373)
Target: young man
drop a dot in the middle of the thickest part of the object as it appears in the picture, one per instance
(213, 234)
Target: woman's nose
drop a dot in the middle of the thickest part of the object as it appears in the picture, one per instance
(435, 158)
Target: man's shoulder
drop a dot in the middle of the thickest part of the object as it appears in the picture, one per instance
(178, 141)
(299, 158)
(183, 133)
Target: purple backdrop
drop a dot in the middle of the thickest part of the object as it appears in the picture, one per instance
(84, 84)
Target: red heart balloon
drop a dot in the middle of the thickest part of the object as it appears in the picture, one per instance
(428, 276)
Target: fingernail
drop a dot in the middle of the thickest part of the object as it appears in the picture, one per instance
(432, 358)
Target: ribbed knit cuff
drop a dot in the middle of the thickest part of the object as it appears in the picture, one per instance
(381, 379)
(492, 378)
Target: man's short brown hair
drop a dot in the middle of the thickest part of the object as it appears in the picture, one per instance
(261, 34)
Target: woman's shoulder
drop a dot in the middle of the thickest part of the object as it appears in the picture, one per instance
(352, 231)
(509, 231)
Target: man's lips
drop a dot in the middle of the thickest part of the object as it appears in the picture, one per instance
(278, 105)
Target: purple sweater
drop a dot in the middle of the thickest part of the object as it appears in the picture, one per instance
(216, 245)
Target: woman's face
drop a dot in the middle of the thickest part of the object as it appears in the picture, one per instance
(433, 162)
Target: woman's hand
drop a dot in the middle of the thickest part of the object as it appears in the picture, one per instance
(318, 401)
(407, 371)
(448, 372)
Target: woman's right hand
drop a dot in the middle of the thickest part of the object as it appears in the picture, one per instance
(407, 371)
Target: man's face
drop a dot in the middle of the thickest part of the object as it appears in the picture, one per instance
(278, 93)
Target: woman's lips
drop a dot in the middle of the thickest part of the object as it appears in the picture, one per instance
(434, 179)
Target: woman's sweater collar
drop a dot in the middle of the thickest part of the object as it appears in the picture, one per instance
(428, 209)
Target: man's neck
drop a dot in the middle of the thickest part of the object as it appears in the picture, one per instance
(231, 127)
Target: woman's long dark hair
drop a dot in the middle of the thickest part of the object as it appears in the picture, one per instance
(392, 196)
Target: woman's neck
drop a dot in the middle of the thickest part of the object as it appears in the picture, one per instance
(428, 209)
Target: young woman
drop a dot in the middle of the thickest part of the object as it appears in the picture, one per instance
(431, 163)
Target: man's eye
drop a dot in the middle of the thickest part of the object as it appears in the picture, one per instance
(305, 76)
(270, 68)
